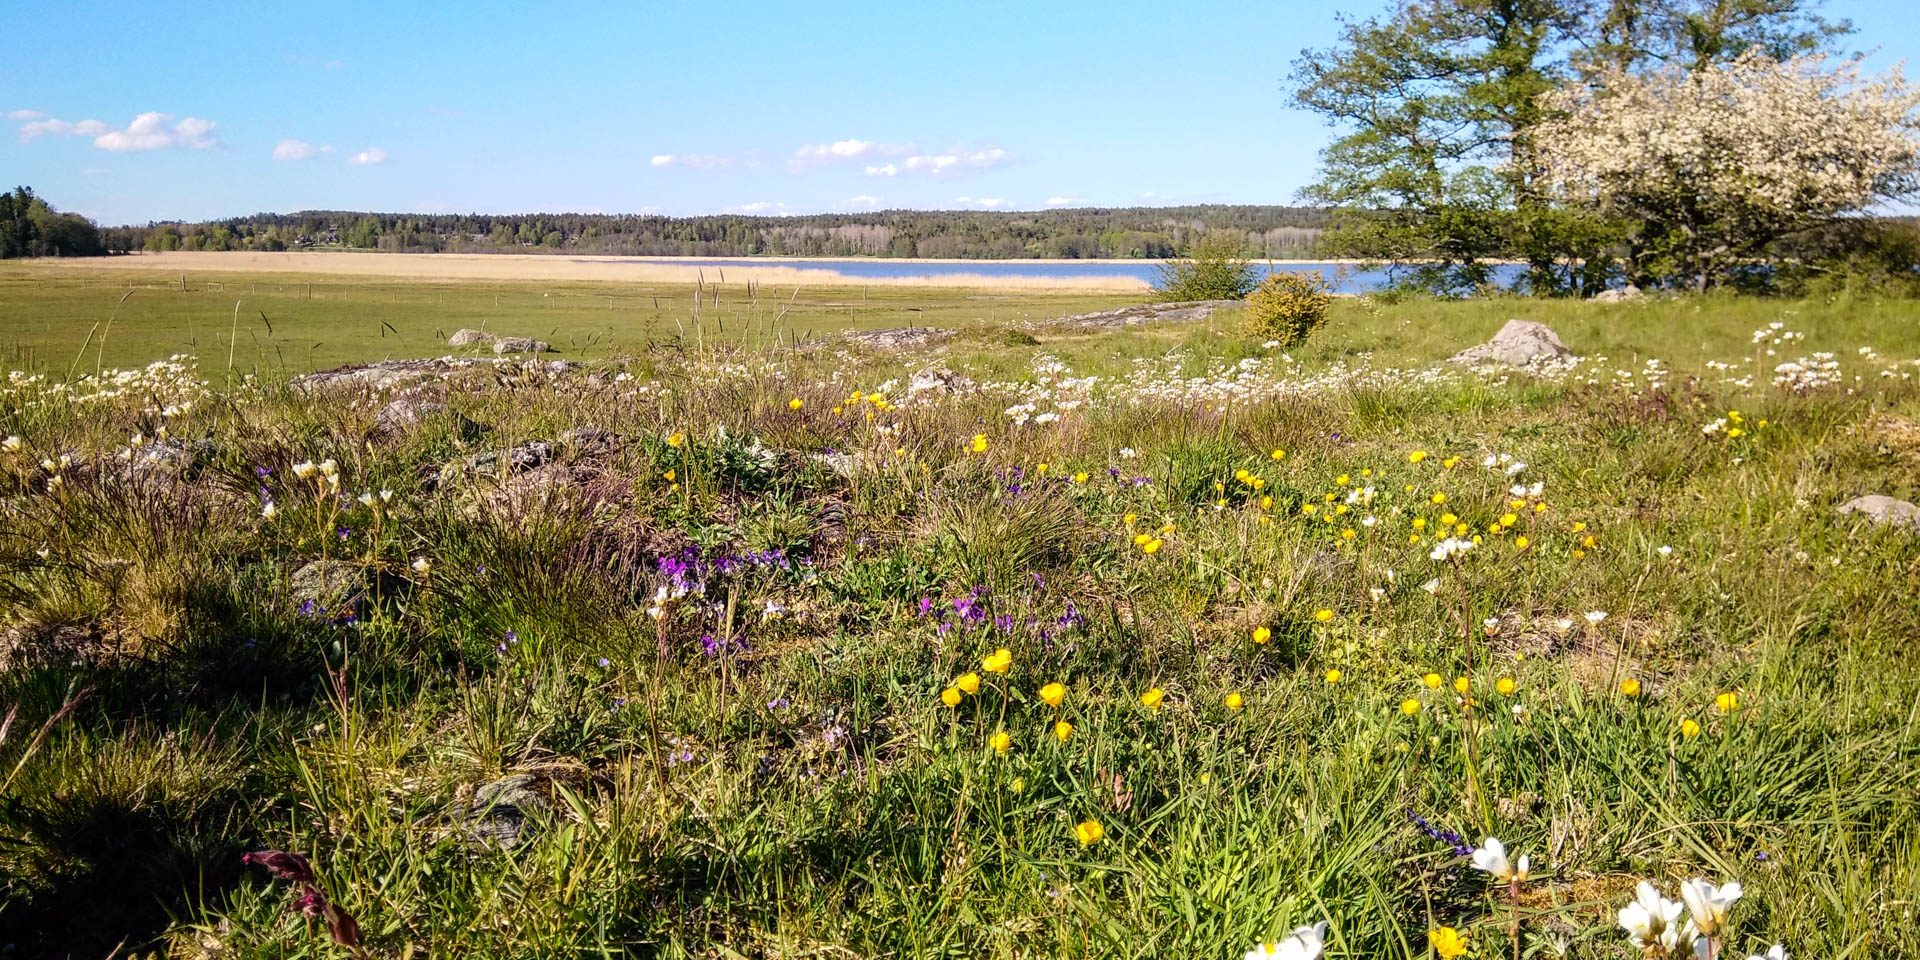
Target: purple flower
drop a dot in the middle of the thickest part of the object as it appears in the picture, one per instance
(512, 637)
(926, 606)
(605, 663)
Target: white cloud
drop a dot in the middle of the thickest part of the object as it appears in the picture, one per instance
(864, 200)
(291, 149)
(985, 202)
(1065, 201)
(371, 156)
(697, 161)
(951, 163)
(843, 151)
(152, 130)
(763, 208)
(24, 114)
(335, 64)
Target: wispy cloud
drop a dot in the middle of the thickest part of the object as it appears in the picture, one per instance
(988, 203)
(844, 151)
(152, 130)
(697, 161)
(370, 157)
(763, 208)
(951, 163)
(1065, 201)
(24, 114)
(864, 200)
(291, 149)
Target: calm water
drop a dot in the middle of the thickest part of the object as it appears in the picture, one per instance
(1345, 278)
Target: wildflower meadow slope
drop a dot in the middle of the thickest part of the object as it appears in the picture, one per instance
(1151, 643)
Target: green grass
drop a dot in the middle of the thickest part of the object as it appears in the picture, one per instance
(806, 792)
(61, 318)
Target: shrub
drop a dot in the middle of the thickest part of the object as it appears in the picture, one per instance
(1288, 307)
(1215, 268)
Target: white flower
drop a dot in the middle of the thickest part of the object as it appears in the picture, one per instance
(386, 496)
(1126, 453)
(1450, 547)
(1651, 920)
(423, 566)
(366, 499)
(1514, 468)
(1779, 952)
(12, 443)
(1492, 857)
(1304, 944)
(303, 469)
(329, 468)
(1431, 586)
(1665, 551)
(1595, 616)
(269, 511)
(1707, 905)
(1563, 624)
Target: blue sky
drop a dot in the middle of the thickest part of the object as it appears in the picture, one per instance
(157, 111)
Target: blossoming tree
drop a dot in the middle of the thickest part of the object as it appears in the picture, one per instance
(1715, 164)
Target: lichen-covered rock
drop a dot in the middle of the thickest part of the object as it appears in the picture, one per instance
(1143, 313)
(521, 345)
(1521, 343)
(467, 336)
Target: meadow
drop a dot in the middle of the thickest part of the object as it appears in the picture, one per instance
(1040, 641)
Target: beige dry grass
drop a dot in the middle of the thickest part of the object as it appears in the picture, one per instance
(509, 267)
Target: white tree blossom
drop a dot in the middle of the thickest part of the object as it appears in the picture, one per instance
(1720, 161)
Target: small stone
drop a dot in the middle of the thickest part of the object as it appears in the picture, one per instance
(521, 345)
(1881, 510)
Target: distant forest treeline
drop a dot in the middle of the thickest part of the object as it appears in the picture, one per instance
(1080, 233)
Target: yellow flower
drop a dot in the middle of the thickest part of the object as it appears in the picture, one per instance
(1234, 701)
(1521, 542)
(1053, 693)
(1578, 526)
(1419, 523)
(998, 661)
(1129, 519)
(1432, 680)
(1447, 942)
(1088, 831)
(1000, 742)
(1080, 477)
(1629, 687)
(1509, 519)
(1153, 698)
(1449, 462)
(1262, 634)
(668, 475)
(969, 683)
(1062, 730)
(1416, 456)
(1341, 479)
(1347, 534)
(1448, 519)
(1689, 729)
(1279, 454)
(1333, 675)
(1168, 527)
(1040, 468)
(1409, 706)
(1323, 616)
(1461, 685)
(950, 696)
(1019, 784)
(676, 440)
(979, 443)
(1151, 546)
(794, 404)
(1438, 498)
(1727, 702)
(1505, 686)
